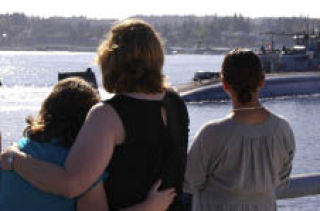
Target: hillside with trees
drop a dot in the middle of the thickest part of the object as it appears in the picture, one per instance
(20, 32)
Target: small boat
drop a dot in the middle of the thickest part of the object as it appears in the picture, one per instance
(88, 76)
(200, 79)
(303, 56)
(205, 75)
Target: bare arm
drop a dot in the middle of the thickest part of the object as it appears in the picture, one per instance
(88, 157)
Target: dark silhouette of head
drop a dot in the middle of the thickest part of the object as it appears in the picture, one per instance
(242, 71)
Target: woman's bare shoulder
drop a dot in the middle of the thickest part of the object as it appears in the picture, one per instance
(105, 115)
(101, 108)
(103, 112)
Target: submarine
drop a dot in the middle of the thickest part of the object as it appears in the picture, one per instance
(203, 89)
(276, 85)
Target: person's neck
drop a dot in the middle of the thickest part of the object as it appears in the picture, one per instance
(250, 105)
(249, 113)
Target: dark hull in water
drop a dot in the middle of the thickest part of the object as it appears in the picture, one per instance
(277, 85)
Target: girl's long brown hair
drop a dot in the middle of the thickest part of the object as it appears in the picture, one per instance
(63, 112)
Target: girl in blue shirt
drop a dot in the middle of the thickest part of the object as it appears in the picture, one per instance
(48, 137)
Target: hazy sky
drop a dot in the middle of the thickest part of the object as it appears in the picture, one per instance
(126, 8)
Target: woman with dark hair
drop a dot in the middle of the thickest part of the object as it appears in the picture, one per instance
(237, 163)
(139, 136)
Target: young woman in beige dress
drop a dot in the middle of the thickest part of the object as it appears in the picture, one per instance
(237, 163)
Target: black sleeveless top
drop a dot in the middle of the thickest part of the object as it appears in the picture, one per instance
(151, 150)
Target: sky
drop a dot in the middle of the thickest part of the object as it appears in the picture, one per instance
(119, 9)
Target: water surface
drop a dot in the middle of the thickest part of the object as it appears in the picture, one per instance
(28, 77)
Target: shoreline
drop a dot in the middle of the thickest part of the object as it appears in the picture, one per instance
(51, 48)
(91, 49)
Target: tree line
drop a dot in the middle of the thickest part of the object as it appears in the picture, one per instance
(20, 31)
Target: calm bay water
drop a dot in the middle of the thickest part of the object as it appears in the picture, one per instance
(29, 76)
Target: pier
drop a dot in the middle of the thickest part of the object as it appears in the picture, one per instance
(300, 186)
